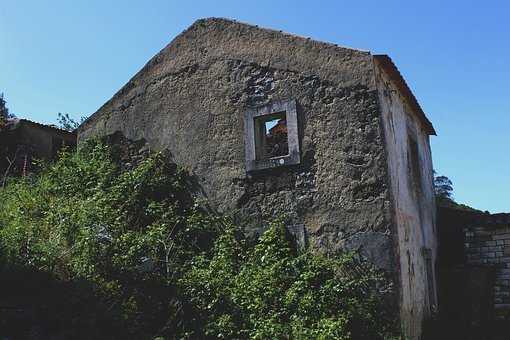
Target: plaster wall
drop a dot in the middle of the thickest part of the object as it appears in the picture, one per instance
(414, 213)
(41, 139)
(38, 139)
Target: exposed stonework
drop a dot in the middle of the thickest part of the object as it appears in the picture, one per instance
(487, 243)
(191, 98)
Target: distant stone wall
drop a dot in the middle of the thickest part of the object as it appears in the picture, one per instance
(22, 141)
(487, 244)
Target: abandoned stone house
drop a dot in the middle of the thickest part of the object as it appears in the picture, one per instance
(22, 141)
(273, 124)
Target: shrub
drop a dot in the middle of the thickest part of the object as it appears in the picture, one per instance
(127, 252)
(270, 291)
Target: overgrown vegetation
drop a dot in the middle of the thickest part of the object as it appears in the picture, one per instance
(90, 251)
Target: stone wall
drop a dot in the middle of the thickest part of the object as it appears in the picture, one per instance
(22, 141)
(487, 244)
(190, 99)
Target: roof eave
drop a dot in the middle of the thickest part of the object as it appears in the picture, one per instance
(395, 75)
(70, 134)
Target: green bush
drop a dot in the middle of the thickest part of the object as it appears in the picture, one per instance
(105, 252)
(270, 292)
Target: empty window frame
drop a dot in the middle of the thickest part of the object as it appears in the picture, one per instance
(271, 136)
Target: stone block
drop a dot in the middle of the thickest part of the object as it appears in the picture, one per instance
(504, 271)
(474, 250)
(502, 282)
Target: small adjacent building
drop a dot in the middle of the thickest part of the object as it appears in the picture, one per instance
(474, 267)
(22, 141)
(273, 124)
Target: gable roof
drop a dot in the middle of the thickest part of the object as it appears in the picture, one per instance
(16, 123)
(290, 51)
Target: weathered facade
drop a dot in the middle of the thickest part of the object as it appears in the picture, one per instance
(355, 171)
(409, 162)
(22, 141)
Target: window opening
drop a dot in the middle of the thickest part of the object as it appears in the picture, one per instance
(272, 138)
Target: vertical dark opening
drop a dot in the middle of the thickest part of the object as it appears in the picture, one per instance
(430, 280)
(414, 165)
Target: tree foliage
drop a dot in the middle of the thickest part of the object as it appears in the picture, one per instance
(65, 122)
(103, 252)
(443, 187)
(4, 111)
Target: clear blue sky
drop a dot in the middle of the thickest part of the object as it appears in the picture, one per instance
(72, 56)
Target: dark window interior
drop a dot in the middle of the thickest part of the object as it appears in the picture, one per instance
(414, 164)
(271, 137)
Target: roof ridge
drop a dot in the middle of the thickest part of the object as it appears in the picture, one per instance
(268, 29)
(49, 126)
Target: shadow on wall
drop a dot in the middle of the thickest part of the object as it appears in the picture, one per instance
(466, 290)
(130, 153)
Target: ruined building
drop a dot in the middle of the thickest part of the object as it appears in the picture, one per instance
(23, 141)
(273, 124)
(474, 268)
